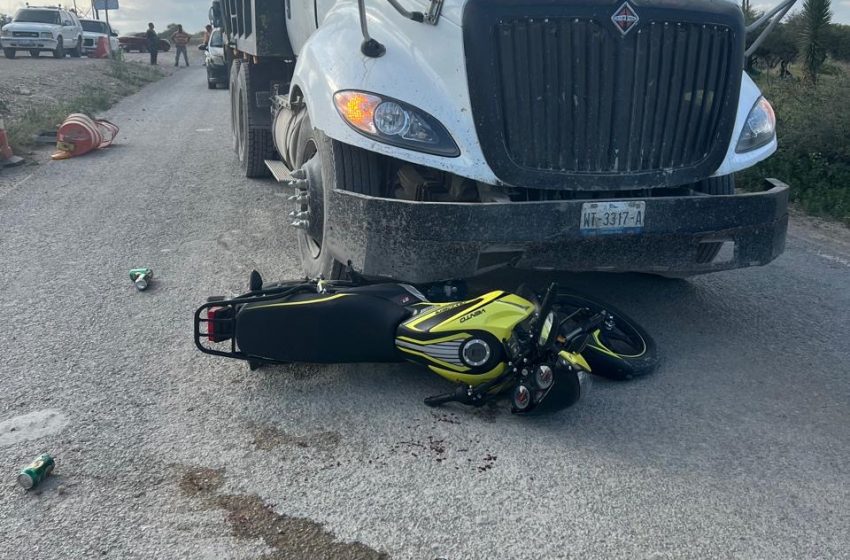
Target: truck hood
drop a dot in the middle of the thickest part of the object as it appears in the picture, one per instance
(93, 34)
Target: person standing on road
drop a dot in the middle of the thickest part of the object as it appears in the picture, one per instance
(181, 41)
(153, 43)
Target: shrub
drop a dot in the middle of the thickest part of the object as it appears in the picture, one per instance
(814, 143)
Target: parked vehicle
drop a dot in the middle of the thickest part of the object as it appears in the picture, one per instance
(36, 29)
(93, 30)
(558, 135)
(138, 42)
(217, 68)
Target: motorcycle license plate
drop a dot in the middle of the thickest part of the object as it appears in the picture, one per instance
(599, 218)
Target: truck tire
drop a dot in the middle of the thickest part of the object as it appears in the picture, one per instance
(255, 141)
(724, 184)
(329, 165)
(9, 53)
(234, 105)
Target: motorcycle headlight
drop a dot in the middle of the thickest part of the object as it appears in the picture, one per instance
(759, 129)
(46, 35)
(394, 122)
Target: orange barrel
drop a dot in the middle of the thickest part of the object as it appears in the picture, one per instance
(78, 135)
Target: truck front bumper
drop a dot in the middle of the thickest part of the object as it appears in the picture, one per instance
(682, 236)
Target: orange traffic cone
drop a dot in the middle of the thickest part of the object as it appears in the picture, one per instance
(102, 50)
(7, 158)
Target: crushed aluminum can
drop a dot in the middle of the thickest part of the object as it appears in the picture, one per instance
(32, 475)
(141, 277)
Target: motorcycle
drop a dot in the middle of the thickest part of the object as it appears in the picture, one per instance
(540, 350)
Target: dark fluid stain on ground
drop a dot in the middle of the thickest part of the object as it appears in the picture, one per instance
(202, 481)
(290, 538)
(267, 438)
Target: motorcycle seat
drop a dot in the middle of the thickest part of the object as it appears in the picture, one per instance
(354, 326)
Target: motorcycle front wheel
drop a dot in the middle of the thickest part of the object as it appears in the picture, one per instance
(622, 349)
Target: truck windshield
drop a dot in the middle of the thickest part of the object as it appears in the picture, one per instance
(37, 16)
(95, 27)
(216, 39)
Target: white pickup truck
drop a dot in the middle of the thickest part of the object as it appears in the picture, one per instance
(38, 29)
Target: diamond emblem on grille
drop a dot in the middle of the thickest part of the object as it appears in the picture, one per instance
(625, 18)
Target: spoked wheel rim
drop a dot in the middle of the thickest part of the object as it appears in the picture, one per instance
(621, 340)
(618, 337)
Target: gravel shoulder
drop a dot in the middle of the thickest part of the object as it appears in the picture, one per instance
(735, 448)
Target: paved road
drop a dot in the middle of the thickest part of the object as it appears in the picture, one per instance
(737, 447)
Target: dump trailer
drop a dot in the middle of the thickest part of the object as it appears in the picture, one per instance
(434, 139)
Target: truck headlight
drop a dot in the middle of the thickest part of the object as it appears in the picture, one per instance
(759, 129)
(394, 122)
(5, 32)
(46, 35)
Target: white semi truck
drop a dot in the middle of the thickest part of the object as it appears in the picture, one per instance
(434, 139)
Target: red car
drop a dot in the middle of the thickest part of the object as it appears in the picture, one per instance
(139, 42)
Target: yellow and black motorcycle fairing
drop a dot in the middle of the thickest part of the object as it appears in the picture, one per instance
(464, 341)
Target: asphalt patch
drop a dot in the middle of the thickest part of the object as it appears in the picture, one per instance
(290, 538)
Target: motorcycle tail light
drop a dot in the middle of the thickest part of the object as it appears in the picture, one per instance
(219, 324)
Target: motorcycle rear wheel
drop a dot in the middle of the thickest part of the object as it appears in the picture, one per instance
(624, 352)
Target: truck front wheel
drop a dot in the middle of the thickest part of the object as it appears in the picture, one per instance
(329, 165)
(255, 139)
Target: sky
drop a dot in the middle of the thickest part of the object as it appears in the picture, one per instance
(135, 14)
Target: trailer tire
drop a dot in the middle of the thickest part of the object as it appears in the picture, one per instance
(255, 141)
(234, 105)
(724, 184)
(339, 166)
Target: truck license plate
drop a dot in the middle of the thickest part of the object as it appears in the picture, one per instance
(599, 218)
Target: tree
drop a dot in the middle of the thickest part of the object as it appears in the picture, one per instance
(779, 49)
(169, 31)
(750, 15)
(838, 42)
(814, 36)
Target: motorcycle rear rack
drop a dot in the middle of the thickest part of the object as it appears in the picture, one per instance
(205, 326)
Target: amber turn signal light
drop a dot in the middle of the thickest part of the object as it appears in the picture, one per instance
(358, 109)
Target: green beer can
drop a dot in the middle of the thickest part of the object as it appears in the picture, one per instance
(141, 277)
(37, 471)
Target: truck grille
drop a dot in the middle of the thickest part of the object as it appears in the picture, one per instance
(570, 101)
(24, 34)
